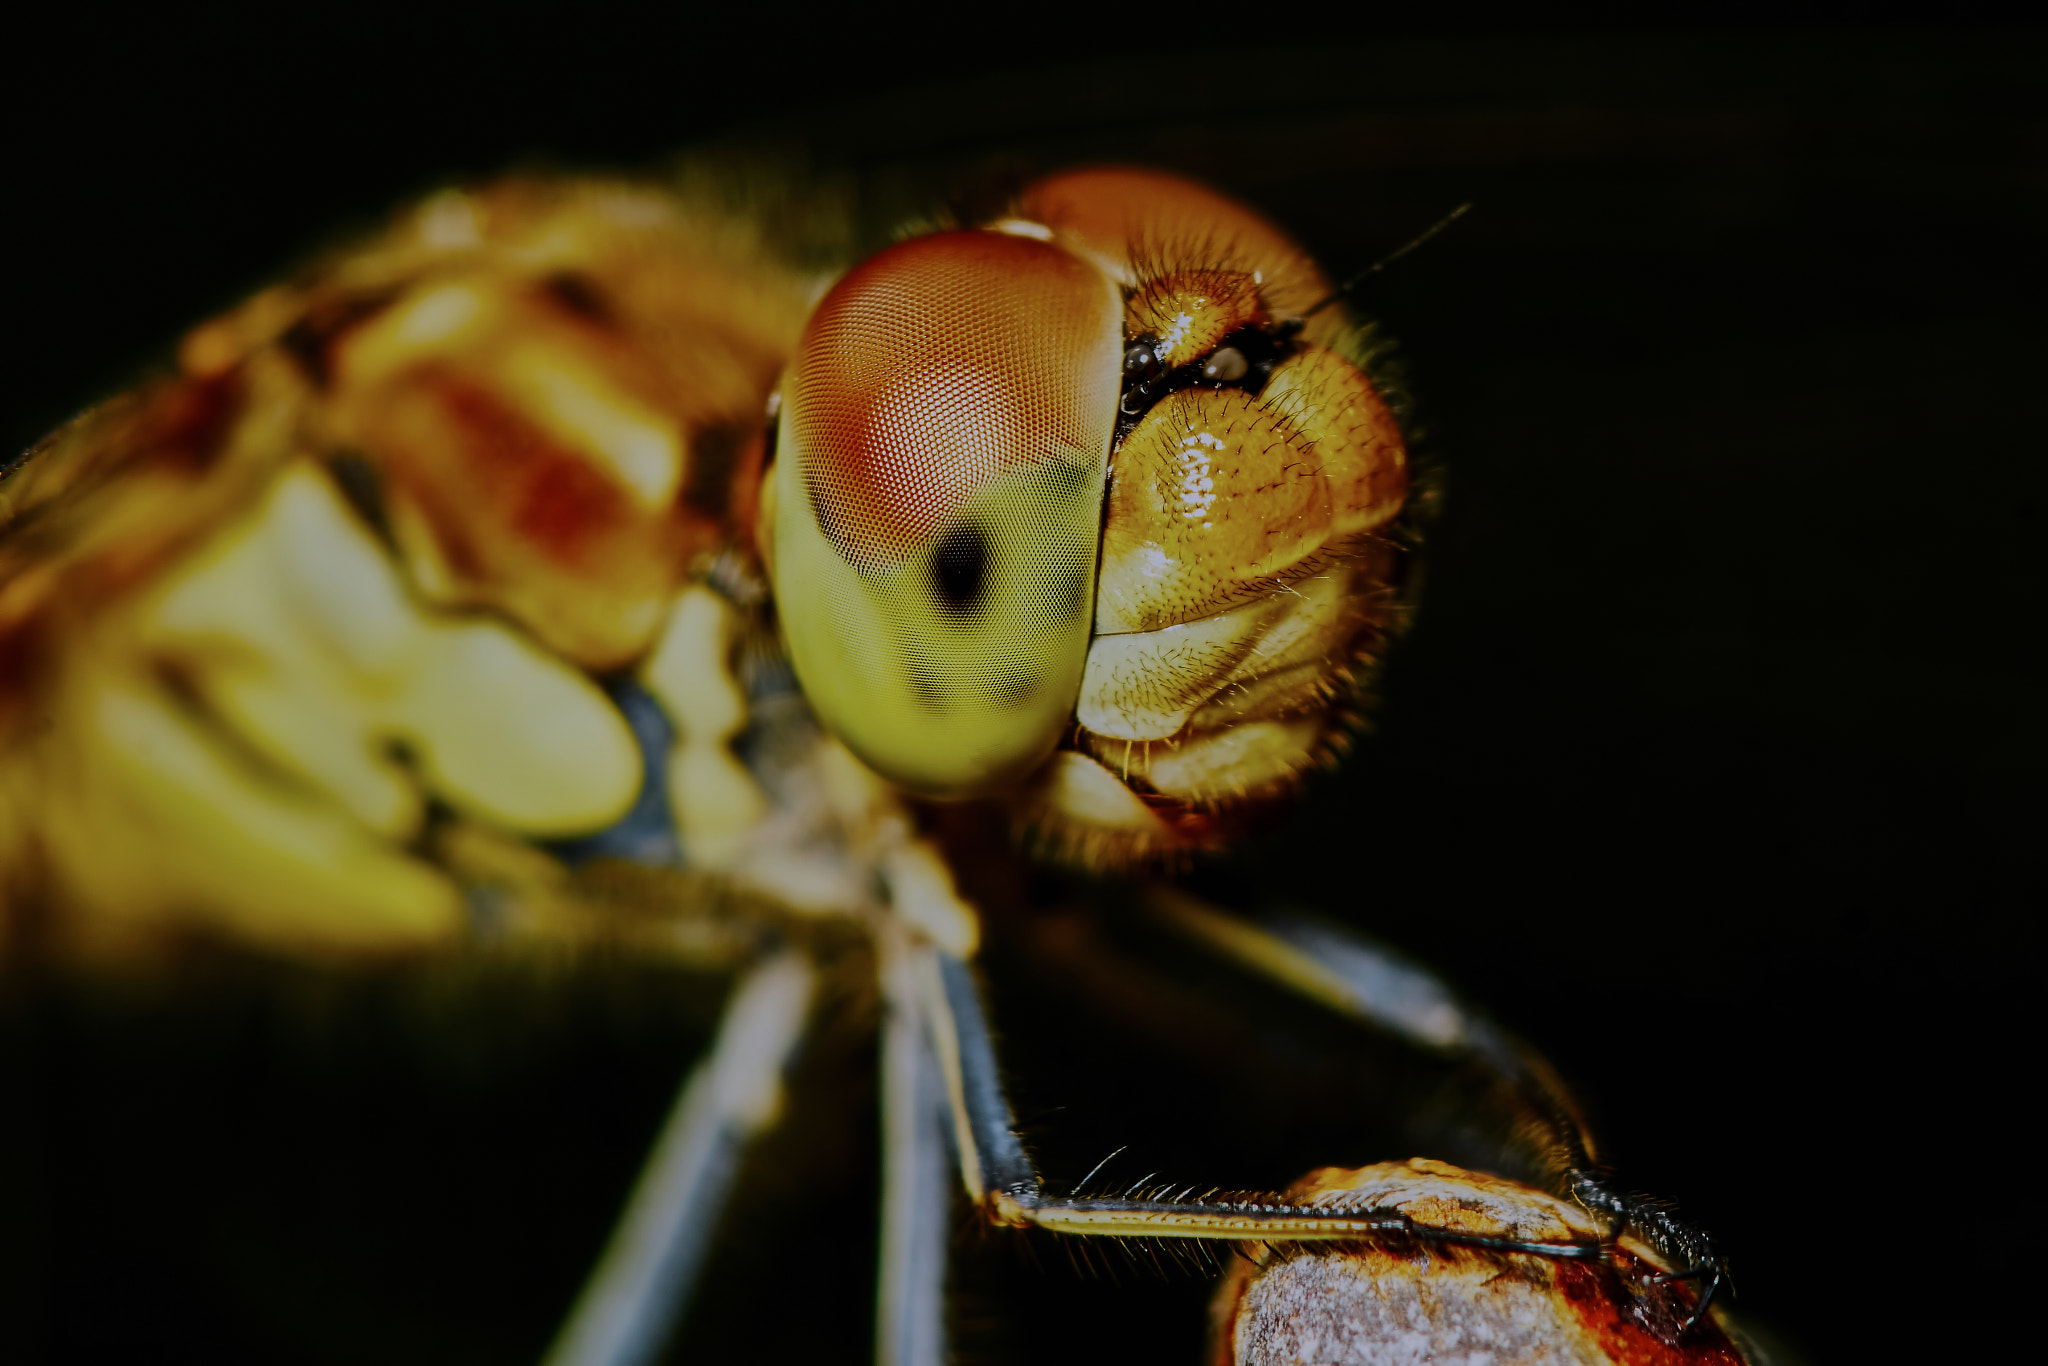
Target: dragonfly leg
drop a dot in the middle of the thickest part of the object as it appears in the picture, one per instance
(635, 1295)
(1687, 1247)
(1000, 1178)
(1369, 982)
(910, 1321)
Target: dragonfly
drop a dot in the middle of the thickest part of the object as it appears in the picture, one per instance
(578, 564)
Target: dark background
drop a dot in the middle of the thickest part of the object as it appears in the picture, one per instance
(1714, 763)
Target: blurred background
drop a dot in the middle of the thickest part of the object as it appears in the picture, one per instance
(1714, 763)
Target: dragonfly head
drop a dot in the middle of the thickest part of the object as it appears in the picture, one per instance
(1087, 508)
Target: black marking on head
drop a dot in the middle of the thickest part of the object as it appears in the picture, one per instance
(960, 569)
(1243, 360)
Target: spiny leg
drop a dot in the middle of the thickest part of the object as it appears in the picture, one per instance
(910, 1321)
(1000, 1177)
(1369, 982)
(638, 1290)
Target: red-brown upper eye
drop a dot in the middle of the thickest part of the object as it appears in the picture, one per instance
(937, 366)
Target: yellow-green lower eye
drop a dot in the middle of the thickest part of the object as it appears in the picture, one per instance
(937, 506)
(956, 671)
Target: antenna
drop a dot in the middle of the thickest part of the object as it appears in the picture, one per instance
(1293, 325)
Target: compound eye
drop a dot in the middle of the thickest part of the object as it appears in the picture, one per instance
(945, 434)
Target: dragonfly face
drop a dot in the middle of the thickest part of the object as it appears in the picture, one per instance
(450, 579)
(956, 407)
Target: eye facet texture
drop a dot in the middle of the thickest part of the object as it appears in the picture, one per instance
(945, 433)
